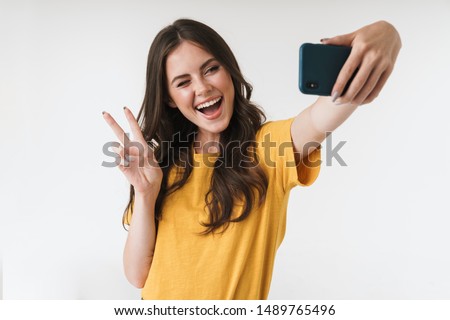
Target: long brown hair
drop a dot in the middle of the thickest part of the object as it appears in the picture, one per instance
(245, 181)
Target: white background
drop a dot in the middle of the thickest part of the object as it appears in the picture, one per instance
(375, 229)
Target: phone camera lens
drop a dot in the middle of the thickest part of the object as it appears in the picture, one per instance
(312, 85)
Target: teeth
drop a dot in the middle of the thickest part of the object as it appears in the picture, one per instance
(208, 104)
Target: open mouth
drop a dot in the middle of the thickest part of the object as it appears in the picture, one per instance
(208, 108)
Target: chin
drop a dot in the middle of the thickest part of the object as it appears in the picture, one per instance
(219, 127)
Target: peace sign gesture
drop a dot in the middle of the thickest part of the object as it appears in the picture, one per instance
(137, 159)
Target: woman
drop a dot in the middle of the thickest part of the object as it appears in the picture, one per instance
(209, 192)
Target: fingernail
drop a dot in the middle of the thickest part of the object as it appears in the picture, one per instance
(334, 96)
(338, 102)
(103, 112)
(124, 108)
(324, 39)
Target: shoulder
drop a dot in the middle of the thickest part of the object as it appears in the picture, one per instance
(279, 130)
(274, 145)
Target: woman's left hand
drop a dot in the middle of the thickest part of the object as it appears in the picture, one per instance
(374, 50)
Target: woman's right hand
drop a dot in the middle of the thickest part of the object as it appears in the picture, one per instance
(137, 160)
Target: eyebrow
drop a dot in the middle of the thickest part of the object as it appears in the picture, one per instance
(186, 74)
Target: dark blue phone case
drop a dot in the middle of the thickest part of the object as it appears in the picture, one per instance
(319, 67)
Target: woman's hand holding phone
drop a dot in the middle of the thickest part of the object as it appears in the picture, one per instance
(375, 48)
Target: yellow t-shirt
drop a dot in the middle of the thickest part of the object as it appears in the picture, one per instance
(237, 264)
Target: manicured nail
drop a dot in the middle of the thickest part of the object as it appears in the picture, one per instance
(334, 96)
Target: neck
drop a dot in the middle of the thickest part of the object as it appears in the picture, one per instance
(207, 142)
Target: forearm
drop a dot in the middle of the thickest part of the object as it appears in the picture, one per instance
(325, 116)
(311, 126)
(140, 243)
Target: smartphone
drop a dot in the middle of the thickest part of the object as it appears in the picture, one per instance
(319, 67)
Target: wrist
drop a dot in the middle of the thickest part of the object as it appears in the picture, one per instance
(328, 101)
(151, 195)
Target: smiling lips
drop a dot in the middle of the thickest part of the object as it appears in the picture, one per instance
(208, 103)
(210, 109)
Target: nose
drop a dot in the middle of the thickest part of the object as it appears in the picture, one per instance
(202, 87)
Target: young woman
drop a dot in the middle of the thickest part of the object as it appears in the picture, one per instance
(210, 181)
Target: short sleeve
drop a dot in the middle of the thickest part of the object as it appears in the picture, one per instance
(276, 155)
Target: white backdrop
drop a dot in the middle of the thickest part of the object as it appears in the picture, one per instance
(375, 229)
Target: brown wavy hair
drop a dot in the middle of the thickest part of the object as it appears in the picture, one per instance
(244, 182)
